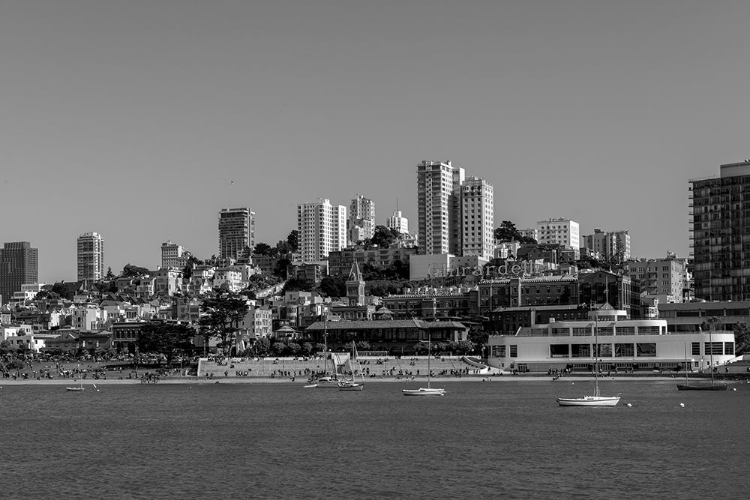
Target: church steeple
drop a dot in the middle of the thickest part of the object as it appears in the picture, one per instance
(355, 286)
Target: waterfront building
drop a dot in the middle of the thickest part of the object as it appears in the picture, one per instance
(439, 207)
(563, 231)
(398, 222)
(322, 229)
(236, 233)
(720, 234)
(665, 279)
(361, 221)
(429, 303)
(513, 288)
(611, 246)
(19, 265)
(90, 254)
(393, 336)
(477, 218)
(686, 317)
(620, 344)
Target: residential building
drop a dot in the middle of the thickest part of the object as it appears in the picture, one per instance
(609, 245)
(90, 257)
(532, 233)
(439, 207)
(563, 231)
(19, 265)
(361, 221)
(322, 229)
(665, 278)
(478, 223)
(173, 255)
(340, 261)
(720, 234)
(398, 222)
(236, 232)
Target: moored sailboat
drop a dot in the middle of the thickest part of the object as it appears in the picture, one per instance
(79, 388)
(426, 391)
(352, 384)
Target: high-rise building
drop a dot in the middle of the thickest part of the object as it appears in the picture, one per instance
(660, 277)
(563, 231)
(322, 229)
(90, 254)
(361, 222)
(439, 207)
(609, 245)
(19, 265)
(236, 232)
(398, 222)
(720, 234)
(478, 223)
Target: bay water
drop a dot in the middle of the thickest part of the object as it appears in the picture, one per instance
(498, 439)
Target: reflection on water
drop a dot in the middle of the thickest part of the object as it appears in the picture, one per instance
(494, 439)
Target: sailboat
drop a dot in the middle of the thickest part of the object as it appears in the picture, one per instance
(353, 385)
(715, 386)
(426, 391)
(79, 388)
(597, 399)
(326, 381)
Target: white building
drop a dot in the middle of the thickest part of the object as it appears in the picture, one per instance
(665, 279)
(563, 231)
(361, 221)
(90, 255)
(478, 218)
(173, 255)
(398, 222)
(236, 232)
(439, 207)
(623, 345)
(322, 229)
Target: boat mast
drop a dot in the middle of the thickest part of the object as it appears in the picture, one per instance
(429, 355)
(596, 353)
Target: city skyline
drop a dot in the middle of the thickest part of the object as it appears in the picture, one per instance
(142, 121)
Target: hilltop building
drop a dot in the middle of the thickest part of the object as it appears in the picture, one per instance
(361, 221)
(478, 219)
(90, 254)
(19, 265)
(608, 245)
(322, 229)
(562, 231)
(236, 232)
(398, 222)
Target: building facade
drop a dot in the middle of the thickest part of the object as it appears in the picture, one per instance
(173, 255)
(322, 229)
(398, 222)
(720, 234)
(361, 220)
(666, 278)
(236, 232)
(478, 218)
(90, 257)
(563, 231)
(439, 207)
(19, 265)
(609, 245)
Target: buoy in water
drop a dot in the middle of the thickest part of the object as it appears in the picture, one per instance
(629, 405)
(682, 405)
(734, 388)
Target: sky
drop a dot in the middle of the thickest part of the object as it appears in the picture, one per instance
(140, 120)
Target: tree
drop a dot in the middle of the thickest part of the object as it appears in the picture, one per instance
(741, 338)
(280, 269)
(293, 240)
(220, 317)
(508, 232)
(278, 348)
(333, 286)
(109, 276)
(262, 347)
(295, 284)
(61, 290)
(262, 249)
(165, 338)
(383, 236)
(131, 271)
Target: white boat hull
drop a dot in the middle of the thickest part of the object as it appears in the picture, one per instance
(74, 389)
(422, 391)
(589, 401)
(351, 386)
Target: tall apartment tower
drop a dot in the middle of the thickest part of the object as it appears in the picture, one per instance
(478, 222)
(322, 229)
(19, 265)
(361, 222)
(720, 234)
(608, 244)
(563, 231)
(439, 207)
(398, 222)
(90, 254)
(236, 232)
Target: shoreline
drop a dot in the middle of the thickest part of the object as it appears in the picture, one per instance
(303, 381)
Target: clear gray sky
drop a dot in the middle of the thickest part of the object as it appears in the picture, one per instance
(132, 118)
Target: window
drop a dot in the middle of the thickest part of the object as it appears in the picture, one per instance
(580, 350)
(513, 351)
(624, 350)
(646, 349)
(559, 350)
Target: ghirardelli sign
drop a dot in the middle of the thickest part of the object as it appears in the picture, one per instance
(514, 269)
